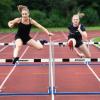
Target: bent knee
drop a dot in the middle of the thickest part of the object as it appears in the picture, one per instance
(88, 56)
(40, 47)
(18, 46)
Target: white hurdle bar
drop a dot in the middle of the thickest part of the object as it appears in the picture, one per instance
(54, 43)
(10, 44)
(55, 60)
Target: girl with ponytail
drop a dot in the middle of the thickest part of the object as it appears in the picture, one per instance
(24, 24)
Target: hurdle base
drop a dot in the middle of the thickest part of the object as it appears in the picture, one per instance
(77, 93)
(50, 90)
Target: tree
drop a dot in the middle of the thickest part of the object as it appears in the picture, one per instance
(5, 9)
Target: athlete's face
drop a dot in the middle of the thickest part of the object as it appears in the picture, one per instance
(25, 14)
(75, 20)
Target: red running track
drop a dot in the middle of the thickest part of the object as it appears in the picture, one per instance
(68, 78)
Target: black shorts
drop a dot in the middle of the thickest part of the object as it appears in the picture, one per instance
(78, 42)
(24, 39)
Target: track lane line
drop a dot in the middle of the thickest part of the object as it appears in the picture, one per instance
(12, 70)
(93, 72)
(3, 37)
(89, 67)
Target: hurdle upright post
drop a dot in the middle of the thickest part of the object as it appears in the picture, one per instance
(51, 75)
(53, 62)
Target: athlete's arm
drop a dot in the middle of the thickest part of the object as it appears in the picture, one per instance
(83, 33)
(33, 22)
(13, 22)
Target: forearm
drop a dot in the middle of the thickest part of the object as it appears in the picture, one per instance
(44, 29)
(13, 22)
(39, 26)
(84, 35)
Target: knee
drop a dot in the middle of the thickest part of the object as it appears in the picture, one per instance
(18, 46)
(40, 47)
(89, 55)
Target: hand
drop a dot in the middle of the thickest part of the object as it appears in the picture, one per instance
(10, 25)
(51, 34)
(79, 27)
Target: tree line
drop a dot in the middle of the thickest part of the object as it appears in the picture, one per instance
(52, 13)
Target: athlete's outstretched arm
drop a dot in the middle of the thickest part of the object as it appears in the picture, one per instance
(13, 22)
(41, 27)
(83, 33)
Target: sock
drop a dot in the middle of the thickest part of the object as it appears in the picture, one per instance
(15, 60)
(43, 42)
(70, 45)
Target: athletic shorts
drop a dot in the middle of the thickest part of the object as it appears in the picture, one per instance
(24, 39)
(78, 42)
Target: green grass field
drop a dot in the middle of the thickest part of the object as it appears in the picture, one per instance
(96, 39)
(60, 29)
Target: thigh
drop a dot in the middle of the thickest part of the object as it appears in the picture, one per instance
(84, 49)
(18, 42)
(35, 44)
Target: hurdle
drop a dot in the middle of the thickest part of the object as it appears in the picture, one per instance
(55, 92)
(46, 93)
(24, 94)
(77, 93)
(51, 71)
(55, 60)
(9, 44)
(52, 60)
(53, 43)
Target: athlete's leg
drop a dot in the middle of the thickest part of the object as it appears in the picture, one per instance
(79, 53)
(37, 44)
(18, 45)
(84, 49)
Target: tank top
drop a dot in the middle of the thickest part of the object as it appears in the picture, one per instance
(73, 31)
(23, 29)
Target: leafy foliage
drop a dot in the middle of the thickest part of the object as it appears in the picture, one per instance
(52, 13)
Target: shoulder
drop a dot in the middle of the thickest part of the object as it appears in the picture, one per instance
(31, 19)
(70, 26)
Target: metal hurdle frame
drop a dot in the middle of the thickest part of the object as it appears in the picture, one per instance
(44, 60)
(52, 90)
(53, 43)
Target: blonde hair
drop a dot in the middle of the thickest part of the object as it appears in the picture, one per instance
(22, 7)
(81, 15)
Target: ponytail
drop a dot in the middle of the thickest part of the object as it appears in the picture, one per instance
(22, 7)
(81, 15)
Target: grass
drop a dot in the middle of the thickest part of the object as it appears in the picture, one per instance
(60, 29)
(96, 39)
(93, 28)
